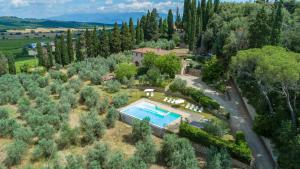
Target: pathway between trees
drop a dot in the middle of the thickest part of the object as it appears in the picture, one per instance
(240, 120)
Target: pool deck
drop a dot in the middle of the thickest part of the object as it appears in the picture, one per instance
(173, 126)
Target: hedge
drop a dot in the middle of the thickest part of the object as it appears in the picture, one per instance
(238, 151)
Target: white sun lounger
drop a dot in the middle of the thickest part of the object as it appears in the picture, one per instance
(173, 101)
(152, 94)
(192, 107)
(169, 100)
(165, 100)
(200, 110)
(147, 94)
(188, 106)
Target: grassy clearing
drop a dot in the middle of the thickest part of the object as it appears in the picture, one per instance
(32, 62)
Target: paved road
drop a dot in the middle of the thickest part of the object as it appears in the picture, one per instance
(239, 120)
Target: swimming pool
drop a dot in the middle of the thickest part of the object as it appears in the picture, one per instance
(158, 116)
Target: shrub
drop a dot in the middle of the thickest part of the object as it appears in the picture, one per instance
(218, 159)
(111, 117)
(98, 155)
(4, 114)
(7, 127)
(103, 105)
(240, 137)
(75, 84)
(141, 130)
(45, 148)
(92, 127)
(69, 98)
(74, 162)
(23, 134)
(56, 87)
(45, 131)
(43, 81)
(178, 85)
(216, 127)
(178, 153)
(146, 150)
(120, 100)
(135, 162)
(58, 75)
(67, 136)
(125, 70)
(71, 71)
(89, 97)
(242, 153)
(23, 105)
(96, 78)
(113, 86)
(14, 153)
(116, 161)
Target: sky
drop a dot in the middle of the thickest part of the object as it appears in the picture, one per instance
(49, 8)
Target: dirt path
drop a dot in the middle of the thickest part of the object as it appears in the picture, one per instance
(240, 120)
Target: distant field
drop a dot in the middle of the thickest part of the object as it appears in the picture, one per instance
(15, 46)
(30, 61)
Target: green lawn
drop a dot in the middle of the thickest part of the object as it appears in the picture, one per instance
(32, 62)
(15, 46)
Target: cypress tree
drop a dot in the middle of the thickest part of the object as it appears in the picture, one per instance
(160, 26)
(50, 56)
(203, 14)
(132, 33)
(57, 51)
(94, 45)
(208, 13)
(170, 24)
(277, 23)
(11, 64)
(216, 5)
(198, 21)
(153, 25)
(79, 52)
(104, 44)
(193, 26)
(63, 51)
(40, 54)
(259, 30)
(187, 20)
(70, 47)
(178, 19)
(88, 43)
(142, 38)
(115, 43)
(138, 32)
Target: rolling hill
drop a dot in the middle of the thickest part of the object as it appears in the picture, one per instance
(10, 22)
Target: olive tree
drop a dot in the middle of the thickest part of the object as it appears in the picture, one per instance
(14, 153)
(111, 117)
(97, 156)
(146, 150)
(141, 130)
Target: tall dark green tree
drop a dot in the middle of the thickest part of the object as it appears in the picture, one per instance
(203, 14)
(104, 43)
(63, 51)
(57, 54)
(50, 56)
(138, 32)
(198, 20)
(115, 41)
(170, 24)
(40, 54)
(259, 30)
(192, 32)
(79, 52)
(186, 19)
(88, 43)
(216, 5)
(11, 64)
(178, 22)
(70, 46)
(132, 32)
(277, 23)
(125, 37)
(94, 44)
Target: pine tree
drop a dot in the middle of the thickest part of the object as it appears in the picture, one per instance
(40, 54)
(50, 56)
(94, 44)
(170, 24)
(138, 32)
(104, 44)
(115, 42)
(70, 47)
(63, 51)
(132, 33)
(259, 30)
(277, 23)
(11, 64)
(57, 51)
(88, 43)
(79, 52)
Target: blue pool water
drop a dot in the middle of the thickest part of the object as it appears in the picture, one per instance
(158, 116)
